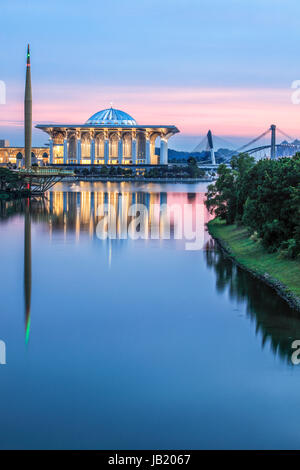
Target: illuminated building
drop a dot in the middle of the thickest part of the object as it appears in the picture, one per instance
(15, 155)
(110, 136)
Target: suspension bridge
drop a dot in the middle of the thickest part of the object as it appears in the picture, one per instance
(271, 149)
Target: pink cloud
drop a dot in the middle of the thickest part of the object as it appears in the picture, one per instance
(228, 111)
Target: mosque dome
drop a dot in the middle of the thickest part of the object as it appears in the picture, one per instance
(111, 117)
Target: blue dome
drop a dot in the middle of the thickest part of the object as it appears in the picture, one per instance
(111, 117)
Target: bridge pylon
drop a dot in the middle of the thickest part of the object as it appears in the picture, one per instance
(211, 147)
(273, 141)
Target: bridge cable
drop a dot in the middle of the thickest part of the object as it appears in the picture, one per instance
(253, 141)
(198, 147)
(285, 135)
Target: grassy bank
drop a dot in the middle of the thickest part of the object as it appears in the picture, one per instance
(283, 274)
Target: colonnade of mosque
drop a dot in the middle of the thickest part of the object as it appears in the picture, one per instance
(108, 146)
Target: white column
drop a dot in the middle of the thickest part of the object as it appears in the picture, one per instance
(212, 156)
(106, 151)
(120, 151)
(78, 151)
(51, 151)
(133, 151)
(92, 151)
(163, 152)
(148, 155)
(65, 151)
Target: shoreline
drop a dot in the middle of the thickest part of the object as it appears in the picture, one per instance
(136, 180)
(238, 246)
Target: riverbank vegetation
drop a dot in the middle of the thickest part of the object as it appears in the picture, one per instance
(277, 270)
(257, 209)
(11, 184)
(263, 197)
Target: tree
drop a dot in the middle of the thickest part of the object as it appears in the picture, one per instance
(221, 197)
(264, 196)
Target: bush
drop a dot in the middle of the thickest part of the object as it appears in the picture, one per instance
(290, 248)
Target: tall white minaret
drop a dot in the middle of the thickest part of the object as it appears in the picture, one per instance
(28, 113)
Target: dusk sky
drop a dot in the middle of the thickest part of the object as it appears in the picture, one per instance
(198, 64)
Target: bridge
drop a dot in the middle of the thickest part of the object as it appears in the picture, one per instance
(37, 180)
(272, 150)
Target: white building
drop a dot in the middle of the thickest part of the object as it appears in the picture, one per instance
(110, 136)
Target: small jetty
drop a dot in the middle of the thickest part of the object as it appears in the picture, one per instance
(29, 181)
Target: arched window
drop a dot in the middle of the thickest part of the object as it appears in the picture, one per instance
(155, 148)
(72, 148)
(99, 146)
(127, 146)
(113, 146)
(85, 147)
(141, 147)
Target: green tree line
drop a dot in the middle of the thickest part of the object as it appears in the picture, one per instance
(264, 196)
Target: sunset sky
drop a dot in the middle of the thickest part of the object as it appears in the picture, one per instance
(198, 64)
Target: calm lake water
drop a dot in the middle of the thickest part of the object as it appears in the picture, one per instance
(131, 344)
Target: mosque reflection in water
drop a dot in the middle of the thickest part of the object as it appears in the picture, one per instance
(74, 213)
(78, 212)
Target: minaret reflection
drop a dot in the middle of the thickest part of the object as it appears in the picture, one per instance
(27, 269)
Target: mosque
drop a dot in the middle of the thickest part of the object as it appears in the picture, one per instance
(109, 136)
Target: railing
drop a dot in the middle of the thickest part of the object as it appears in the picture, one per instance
(44, 171)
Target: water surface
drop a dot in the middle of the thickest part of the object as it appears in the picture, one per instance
(131, 344)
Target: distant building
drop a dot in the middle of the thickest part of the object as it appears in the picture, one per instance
(110, 136)
(15, 155)
(4, 143)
